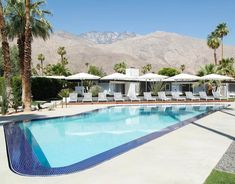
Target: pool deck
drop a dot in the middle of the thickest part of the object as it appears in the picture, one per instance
(186, 155)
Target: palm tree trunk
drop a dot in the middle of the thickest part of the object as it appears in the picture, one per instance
(215, 57)
(27, 59)
(20, 43)
(222, 48)
(6, 52)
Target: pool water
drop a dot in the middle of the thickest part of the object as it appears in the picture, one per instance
(61, 142)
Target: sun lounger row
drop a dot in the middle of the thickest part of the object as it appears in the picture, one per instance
(118, 97)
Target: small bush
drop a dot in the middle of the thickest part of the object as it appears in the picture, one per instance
(95, 90)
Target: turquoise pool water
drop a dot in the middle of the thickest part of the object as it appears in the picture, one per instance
(69, 140)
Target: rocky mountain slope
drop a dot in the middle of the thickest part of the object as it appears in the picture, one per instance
(161, 49)
(106, 37)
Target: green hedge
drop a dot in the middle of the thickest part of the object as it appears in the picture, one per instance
(44, 88)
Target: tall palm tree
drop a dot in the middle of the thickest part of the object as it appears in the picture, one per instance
(146, 68)
(213, 43)
(41, 58)
(221, 31)
(5, 51)
(15, 25)
(27, 58)
(62, 52)
(182, 68)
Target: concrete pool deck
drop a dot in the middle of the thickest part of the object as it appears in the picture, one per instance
(184, 156)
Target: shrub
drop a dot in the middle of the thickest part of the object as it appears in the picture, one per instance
(168, 72)
(45, 88)
(95, 90)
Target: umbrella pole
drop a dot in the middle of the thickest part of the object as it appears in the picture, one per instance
(146, 86)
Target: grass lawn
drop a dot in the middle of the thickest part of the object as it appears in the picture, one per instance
(219, 177)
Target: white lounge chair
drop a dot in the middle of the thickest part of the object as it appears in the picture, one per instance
(134, 98)
(87, 97)
(190, 96)
(217, 96)
(162, 96)
(148, 96)
(204, 96)
(118, 97)
(102, 97)
(73, 97)
(176, 96)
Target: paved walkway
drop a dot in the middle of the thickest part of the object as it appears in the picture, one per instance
(185, 156)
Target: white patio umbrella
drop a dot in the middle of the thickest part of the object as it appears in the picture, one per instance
(151, 77)
(183, 77)
(82, 76)
(216, 77)
(119, 77)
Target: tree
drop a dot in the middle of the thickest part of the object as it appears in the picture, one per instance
(5, 52)
(41, 58)
(207, 69)
(120, 67)
(16, 23)
(147, 68)
(213, 43)
(226, 67)
(222, 31)
(182, 68)
(62, 52)
(94, 70)
(57, 69)
(27, 58)
(168, 72)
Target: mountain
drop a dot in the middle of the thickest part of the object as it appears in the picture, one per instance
(106, 37)
(160, 49)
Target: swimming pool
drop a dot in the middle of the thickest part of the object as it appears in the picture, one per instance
(69, 144)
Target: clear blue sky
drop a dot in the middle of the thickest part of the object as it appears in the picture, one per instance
(188, 17)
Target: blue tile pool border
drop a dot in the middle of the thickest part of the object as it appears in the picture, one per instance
(25, 161)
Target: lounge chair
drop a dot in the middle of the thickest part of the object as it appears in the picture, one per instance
(134, 98)
(217, 96)
(87, 97)
(204, 96)
(190, 96)
(162, 96)
(118, 97)
(148, 96)
(176, 96)
(73, 97)
(102, 97)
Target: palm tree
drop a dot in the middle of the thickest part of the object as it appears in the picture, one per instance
(15, 26)
(146, 68)
(120, 67)
(62, 52)
(213, 43)
(207, 69)
(41, 58)
(5, 52)
(226, 67)
(27, 58)
(221, 31)
(182, 68)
